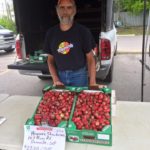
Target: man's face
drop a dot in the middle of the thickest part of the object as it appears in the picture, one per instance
(66, 11)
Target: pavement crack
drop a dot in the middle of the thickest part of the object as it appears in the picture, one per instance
(146, 66)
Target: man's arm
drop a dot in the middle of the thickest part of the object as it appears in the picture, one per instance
(91, 68)
(52, 70)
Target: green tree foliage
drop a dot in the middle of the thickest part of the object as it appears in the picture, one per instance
(8, 23)
(134, 6)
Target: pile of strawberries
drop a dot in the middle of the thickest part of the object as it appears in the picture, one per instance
(54, 107)
(92, 111)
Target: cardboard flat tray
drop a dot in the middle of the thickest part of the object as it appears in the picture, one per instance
(103, 137)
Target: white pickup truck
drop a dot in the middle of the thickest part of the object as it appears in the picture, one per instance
(34, 18)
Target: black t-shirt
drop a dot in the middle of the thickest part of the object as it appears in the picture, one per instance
(69, 47)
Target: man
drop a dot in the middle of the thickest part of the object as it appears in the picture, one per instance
(69, 46)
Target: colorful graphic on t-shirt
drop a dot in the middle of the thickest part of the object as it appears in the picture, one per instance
(64, 48)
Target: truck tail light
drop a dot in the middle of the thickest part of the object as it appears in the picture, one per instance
(105, 47)
(18, 47)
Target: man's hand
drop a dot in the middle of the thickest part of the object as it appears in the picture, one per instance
(57, 83)
(100, 86)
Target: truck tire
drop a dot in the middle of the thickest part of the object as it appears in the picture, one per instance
(9, 50)
(44, 78)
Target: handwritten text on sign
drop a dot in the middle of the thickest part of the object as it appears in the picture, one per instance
(44, 138)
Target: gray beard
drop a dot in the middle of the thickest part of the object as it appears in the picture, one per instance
(66, 20)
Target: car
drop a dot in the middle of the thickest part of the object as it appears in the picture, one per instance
(7, 39)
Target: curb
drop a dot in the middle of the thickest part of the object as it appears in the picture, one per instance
(125, 34)
(3, 97)
(127, 52)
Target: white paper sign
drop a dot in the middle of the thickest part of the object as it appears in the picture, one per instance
(44, 138)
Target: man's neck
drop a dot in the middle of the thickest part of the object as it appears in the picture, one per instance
(65, 27)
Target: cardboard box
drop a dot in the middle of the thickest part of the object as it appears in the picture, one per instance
(38, 57)
(32, 120)
(103, 137)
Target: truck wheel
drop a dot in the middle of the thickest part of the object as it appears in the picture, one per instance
(44, 78)
(9, 50)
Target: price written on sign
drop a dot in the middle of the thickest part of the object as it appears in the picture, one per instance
(43, 138)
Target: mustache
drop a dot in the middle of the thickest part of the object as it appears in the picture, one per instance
(66, 19)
